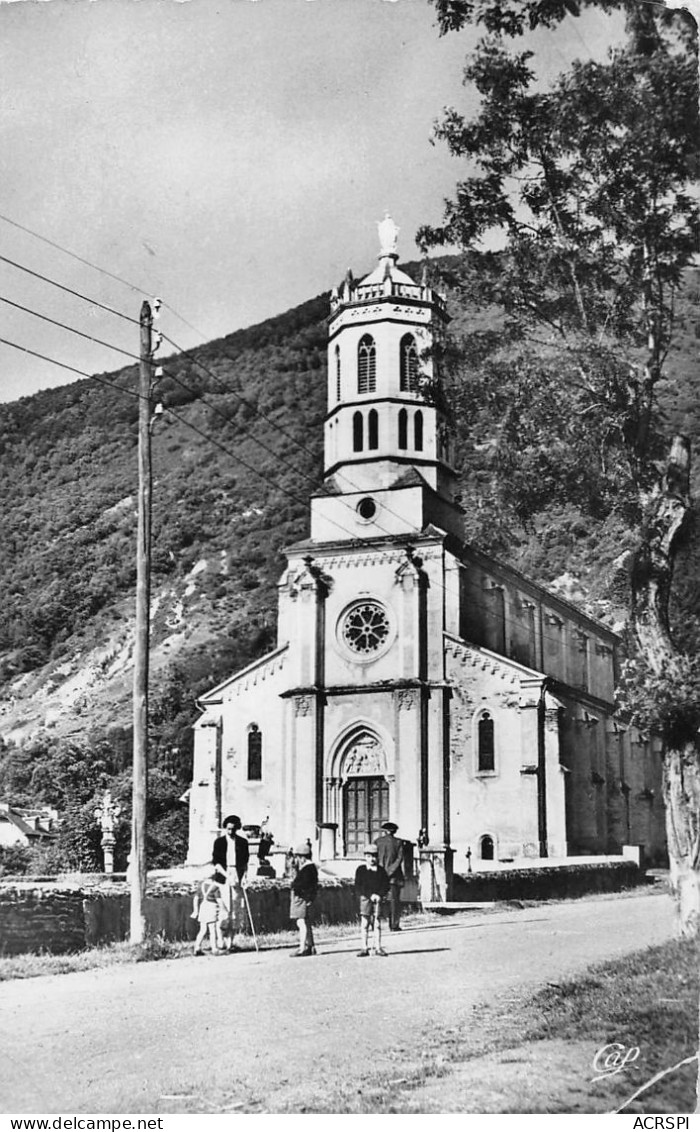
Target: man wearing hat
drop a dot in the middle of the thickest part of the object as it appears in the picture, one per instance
(371, 886)
(230, 860)
(390, 857)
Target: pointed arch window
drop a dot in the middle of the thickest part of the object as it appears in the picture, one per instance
(357, 432)
(408, 380)
(486, 746)
(403, 430)
(254, 753)
(373, 429)
(418, 431)
(366, 365)
(337, 373)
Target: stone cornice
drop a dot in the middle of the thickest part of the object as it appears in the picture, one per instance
(508, 670)
(361, 689)
(259, 670)
(353, 557)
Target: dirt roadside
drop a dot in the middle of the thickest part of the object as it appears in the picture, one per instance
(335, 1033)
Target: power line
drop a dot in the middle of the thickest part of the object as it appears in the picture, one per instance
(244, 400)
(184, 320)
(63, 365)
(168, 373)
(74, 255)
(182, 384)
(186, 353)
(179, 381)
(96, 267)
(127, 353)
(64, 326)
(68, 290)
(180, 349)
(273, 424)
(251, 436)
(239, 396)
(240, 460)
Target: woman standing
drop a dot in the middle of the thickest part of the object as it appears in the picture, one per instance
(230, 860)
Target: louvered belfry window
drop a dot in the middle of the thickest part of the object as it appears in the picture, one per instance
(409, 365)
(366, 365)
(373, 429)
(357, 432)
(403, 430)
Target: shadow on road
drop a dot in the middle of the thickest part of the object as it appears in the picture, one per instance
(389, 955)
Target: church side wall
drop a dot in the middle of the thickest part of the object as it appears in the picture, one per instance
(251, 702)
(613, 784)
(506, 617)
(636, 807)
(502, 804)
(204, 820)
(583, 755)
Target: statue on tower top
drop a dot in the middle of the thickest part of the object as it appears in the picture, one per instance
(388, 236)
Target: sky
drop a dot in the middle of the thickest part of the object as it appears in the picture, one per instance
(230, 157)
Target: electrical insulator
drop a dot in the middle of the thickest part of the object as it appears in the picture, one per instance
(158, 372)
(157, 343)
(157, 304)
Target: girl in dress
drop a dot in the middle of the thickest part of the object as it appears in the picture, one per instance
(206, 909)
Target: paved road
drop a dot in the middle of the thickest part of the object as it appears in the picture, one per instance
(257, 1032)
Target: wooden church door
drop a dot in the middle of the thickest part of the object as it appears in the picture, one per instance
(366, 807)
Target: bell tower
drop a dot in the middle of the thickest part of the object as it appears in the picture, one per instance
(386, 443)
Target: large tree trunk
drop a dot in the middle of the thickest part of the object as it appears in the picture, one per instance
(665, 513)
(682, 801)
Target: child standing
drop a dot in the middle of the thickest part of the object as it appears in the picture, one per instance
(304, 892)
(206, 909)
(371, 885)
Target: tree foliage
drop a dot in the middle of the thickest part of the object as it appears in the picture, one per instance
(579, 211)
(587, 185)
(72, 778)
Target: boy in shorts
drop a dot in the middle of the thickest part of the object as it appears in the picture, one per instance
(371, 886)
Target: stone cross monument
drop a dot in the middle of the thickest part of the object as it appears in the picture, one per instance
(106, 813)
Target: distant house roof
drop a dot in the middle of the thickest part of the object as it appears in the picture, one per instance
(34, 824)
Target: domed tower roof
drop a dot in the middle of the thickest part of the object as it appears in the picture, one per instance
(387, 283)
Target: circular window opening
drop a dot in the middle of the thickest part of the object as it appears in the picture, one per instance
(366, 627)
(367, 509)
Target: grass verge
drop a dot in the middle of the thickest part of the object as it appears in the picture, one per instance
(32, 965)
(534, 1053)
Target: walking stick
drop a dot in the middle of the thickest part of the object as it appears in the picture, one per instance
(250, 918)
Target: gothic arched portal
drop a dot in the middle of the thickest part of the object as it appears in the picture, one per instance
(358, 793)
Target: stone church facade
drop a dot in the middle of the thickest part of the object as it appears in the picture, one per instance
(415, 678)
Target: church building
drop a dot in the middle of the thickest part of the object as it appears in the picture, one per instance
(415, 678)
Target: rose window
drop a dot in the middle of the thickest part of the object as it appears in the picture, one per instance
(366, 627)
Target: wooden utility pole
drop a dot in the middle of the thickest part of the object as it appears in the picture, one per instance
(137, 865)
